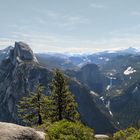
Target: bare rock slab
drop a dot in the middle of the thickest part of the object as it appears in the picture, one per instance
(9, 131)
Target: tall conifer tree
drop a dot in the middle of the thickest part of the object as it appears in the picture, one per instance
(63, 105)
(31, 107)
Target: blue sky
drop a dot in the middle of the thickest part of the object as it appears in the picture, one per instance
(75, 26)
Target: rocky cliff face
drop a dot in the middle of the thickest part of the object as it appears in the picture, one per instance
(22, 52)
(19, 74)
(126, 106)
(90, 76)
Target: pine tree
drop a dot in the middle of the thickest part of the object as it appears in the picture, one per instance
(63, 105)
(31, 108)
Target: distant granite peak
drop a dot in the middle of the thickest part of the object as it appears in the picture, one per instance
(22, 52)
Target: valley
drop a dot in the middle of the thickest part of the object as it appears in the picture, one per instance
(106, 85)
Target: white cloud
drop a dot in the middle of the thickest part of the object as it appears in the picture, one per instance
(135, 13)
(63, 19)
(126, 32)
(55, 43)
(5, 42)
(73, 20)
(98, 6)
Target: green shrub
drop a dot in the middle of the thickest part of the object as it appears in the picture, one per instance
(65, 130)
(130, 131)
(120, 135)
(128, 134)
(134, 136)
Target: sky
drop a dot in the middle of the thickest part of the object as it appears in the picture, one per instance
(70, 26)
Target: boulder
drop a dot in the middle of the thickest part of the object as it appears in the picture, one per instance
(9, 131)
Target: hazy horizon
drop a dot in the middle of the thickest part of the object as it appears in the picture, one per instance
(76, 26)
(129, 49)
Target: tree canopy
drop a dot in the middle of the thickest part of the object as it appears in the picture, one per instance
(31, 108)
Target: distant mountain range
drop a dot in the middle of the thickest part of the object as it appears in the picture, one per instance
(69, 61)
(129, 50)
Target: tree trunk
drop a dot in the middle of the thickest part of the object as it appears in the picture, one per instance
(39, 119)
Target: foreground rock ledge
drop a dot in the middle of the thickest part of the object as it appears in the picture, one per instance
(9, 131)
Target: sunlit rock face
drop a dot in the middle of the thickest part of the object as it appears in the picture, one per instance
(22, 52)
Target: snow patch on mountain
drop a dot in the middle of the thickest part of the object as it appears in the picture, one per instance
(135, 89)
(111, 82)
(102, 98)
(93, 93)
(108, 107)
(129, 71)
(108, 87)
(104, 58)
(118, 123)
(107, 59)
